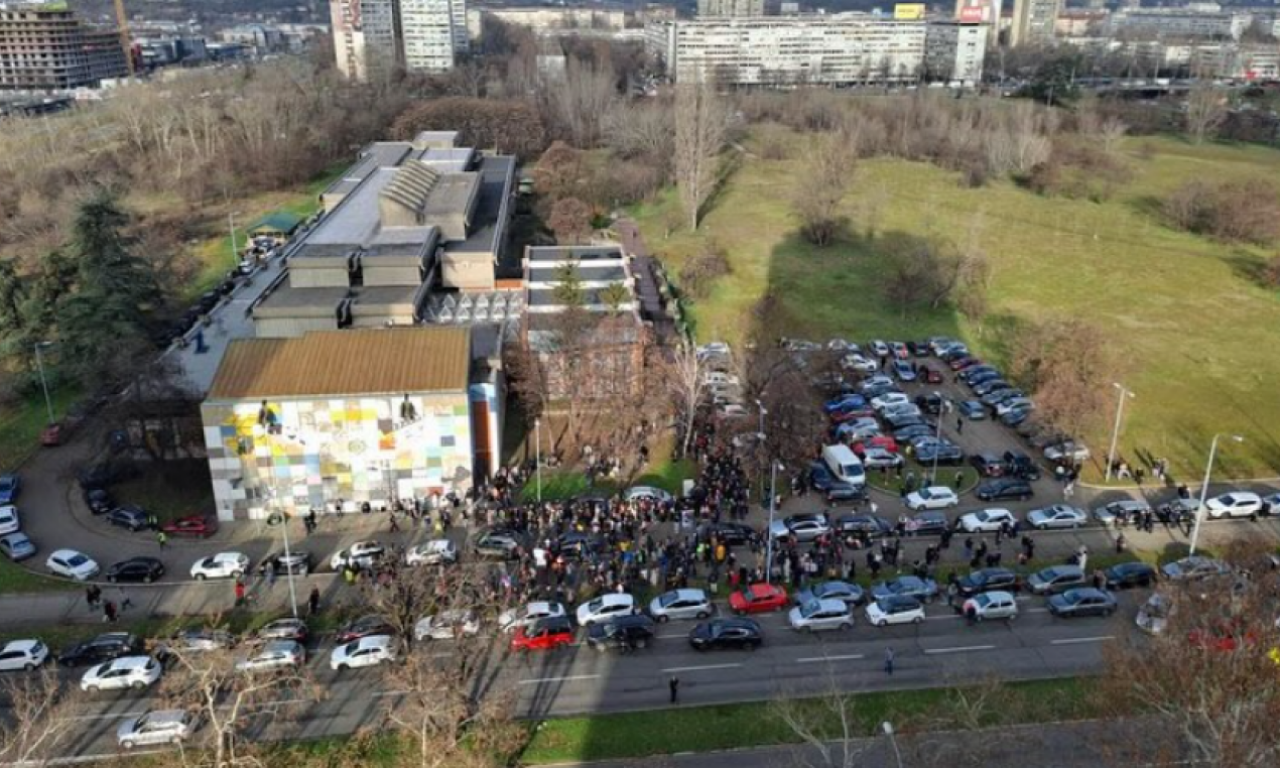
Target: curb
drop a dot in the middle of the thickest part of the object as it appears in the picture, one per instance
(1157, 486)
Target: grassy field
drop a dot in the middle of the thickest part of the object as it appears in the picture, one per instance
(22, 422)
(1198, 334)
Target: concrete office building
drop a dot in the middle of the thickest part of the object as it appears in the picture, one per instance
(836, 49)
(542, 19)
(46, 48)
(986, 12)
(376, 36)
(1034, 22)
(954, 51)
(1199, 21)
(713, 8)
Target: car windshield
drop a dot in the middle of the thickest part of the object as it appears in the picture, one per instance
(76, 561)
(595, 605)
(810, 608)
(668, 598)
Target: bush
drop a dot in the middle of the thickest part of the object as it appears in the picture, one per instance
(1246, 211)
(1079, 171)
(701, 271)
(1271, 272)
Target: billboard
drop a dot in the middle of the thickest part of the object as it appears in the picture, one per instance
(973, 13)
(908, 11)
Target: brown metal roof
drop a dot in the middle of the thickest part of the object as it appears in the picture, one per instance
(347, 362)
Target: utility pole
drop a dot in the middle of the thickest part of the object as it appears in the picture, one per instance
(1115, 433)
(1204, 488)
(44, 382)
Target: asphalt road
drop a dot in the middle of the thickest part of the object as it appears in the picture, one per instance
(579, 679)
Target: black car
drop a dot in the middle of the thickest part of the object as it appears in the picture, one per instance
(927, 523)
(909, 433)
(98, 500)
(365, 626)
(575, 545)
(730, 534)
(896, 422)
(930, 404)
(833, 488)
(987, 464)
(865, 524)
(988, 580)
(726, 633)
(298, 562)
(102, 648)
(989, 386)
(1005, 488)
(1134, 574)
(127, 516)
(143, 569)
(1019, 464)
(621, 632)
(498, 543)
(977, 374)
(107, 473)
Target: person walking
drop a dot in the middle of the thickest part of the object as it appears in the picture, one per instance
(109, 612)
(674, 685)
(240, 592)
(959, 425)
(162, 538)
(888, 660)
(93, 596)
(313, 601)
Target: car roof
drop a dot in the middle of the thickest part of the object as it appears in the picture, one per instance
(831, 604)
(21, 645)
(735, 621)
(691, 594)
(374, 641)
(165, 715)
(130, 662)
(616, 598)
(65, 553)
(993, 594)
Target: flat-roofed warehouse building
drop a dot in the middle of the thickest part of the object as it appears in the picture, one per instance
(345, 418)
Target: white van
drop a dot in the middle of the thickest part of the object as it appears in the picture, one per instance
(844, 464)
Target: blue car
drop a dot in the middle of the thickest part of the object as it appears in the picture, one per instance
(973, 410)
(9, 487)
(845, 403)
(906, 586)
(903, 370)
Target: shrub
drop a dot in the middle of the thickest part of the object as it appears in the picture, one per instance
(700, 272)
(1246, 211)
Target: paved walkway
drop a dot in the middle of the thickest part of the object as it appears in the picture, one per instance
(651, 303)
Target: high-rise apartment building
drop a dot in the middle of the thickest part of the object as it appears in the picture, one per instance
(982, 12)
(1034, 22)
(46, 48)
(954, 51)
(371, 36)
(428, 35)
(730, 8)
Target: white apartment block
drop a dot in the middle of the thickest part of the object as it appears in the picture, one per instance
(434, 31)
(954, 51)
(730, 8)
(835, 49)
(1034, 22)
(1199, 21)
(366, 36)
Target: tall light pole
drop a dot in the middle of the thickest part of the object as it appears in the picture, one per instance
(760, 436)
(887, 727)
(768, 546)
(1125, 394)
(537, 452)
(288, 557)
(1204, 487)
(44, 382)
(231, 225)
(933, 474)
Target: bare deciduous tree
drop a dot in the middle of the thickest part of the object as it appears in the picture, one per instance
(1068, 364)
(686, 385)
(828, 727)
(699, 136)
(823, 181)
(39, 719)
(1206, 110)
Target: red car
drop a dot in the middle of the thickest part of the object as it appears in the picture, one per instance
(960, 363)
(839, 417)
(194, 526)
(758, 598)
(1226, 636)
(930, 375)
(879, 441)
(543, 635)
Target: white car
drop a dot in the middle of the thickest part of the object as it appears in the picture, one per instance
(985, 520)
(713, 349)
(514, 618)
(647, 492)
(224, 565)
(135, 672)
(1015, 404)
(856, 362)
(890, 400)
(23, 654)
(1056, 516)
(362, 554)
(821, 615)
(720, 379)
(72, 564)
(9, 520)
(731, 410)
(276, 654)
(681, 604)
(875, 458)
(932, 497)
(434, 552)
(447, 625)
(366, 652)
(1067, 451)
(880, 348)
(1234, 504)
(605, 607)
(895, 610)
(842, 345)
(155, 726)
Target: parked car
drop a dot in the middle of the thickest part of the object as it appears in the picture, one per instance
(681, 604)
(932, 497)
(1234, 504)
(1056, 516)
(604, 607)
(1057, 578)
(804, 527)
(1153, 616)
(988, 464)
(1019, 464)
(895, 610)
(904, 370)
(972, 410)
(724, 633)
(143, 569)
(1131, 574)
(298, 562)
(449, 624)
(98, 500)
(365, 626)
(758, 598)
(878, 458)
(985, 606)
(526, 615)
(831, 590)
(648, 493)
(820, 616)
(730, 534)
(545, 634)
(1123, 509)
(9, 521)
(1194, 568)
(368, 651)
(104, 647)
(127, 516)
(941, 453)
(987, 580)
(363, 555)
(868, 525)
(155, 726)
(274, 655)
(135, 672)
(927, 523)
(1067, 451)
(194, 641)
(622, 632)
(1004, 488)
(1085, 601)
(10, 486)
(25, 655)
(498, 543)
(191, 526)
(72, 564)
(821, 479)
(224, 565)
(283, 629)
(16, 546)
(985, 520)
(924, 590)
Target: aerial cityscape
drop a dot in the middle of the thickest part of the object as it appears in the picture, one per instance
(701, 384)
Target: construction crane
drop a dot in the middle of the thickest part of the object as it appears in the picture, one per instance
(122, 22)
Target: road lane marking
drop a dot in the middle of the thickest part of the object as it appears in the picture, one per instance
(813, 659)
(565, 679)
(1073, 640)
(696, 669)
(962, 649)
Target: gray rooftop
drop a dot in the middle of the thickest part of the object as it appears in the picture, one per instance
(583, 253)
(387, 299)
(488, 221)
(609, 272)
(380, 154)
(287, 301)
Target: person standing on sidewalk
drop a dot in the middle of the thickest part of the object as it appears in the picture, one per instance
(888, 661)
(161, 538)
(313, 601)
(674, 685)
(93, 596)
(239, 592)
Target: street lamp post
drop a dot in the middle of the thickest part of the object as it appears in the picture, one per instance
(44, 382)
(768, 546)
(231, 225)
(1204, 487)
(288, 556)
(1125, 394)
(887, 727)
(933, 474)
(537, 453)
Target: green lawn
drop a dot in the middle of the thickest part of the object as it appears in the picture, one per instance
(22, 422)
(14, 578)
(1199, 336)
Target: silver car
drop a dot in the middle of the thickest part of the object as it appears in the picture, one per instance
(157, 726)
(1058, 578)
(991, 606)
(681, 604)
(820, 616)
